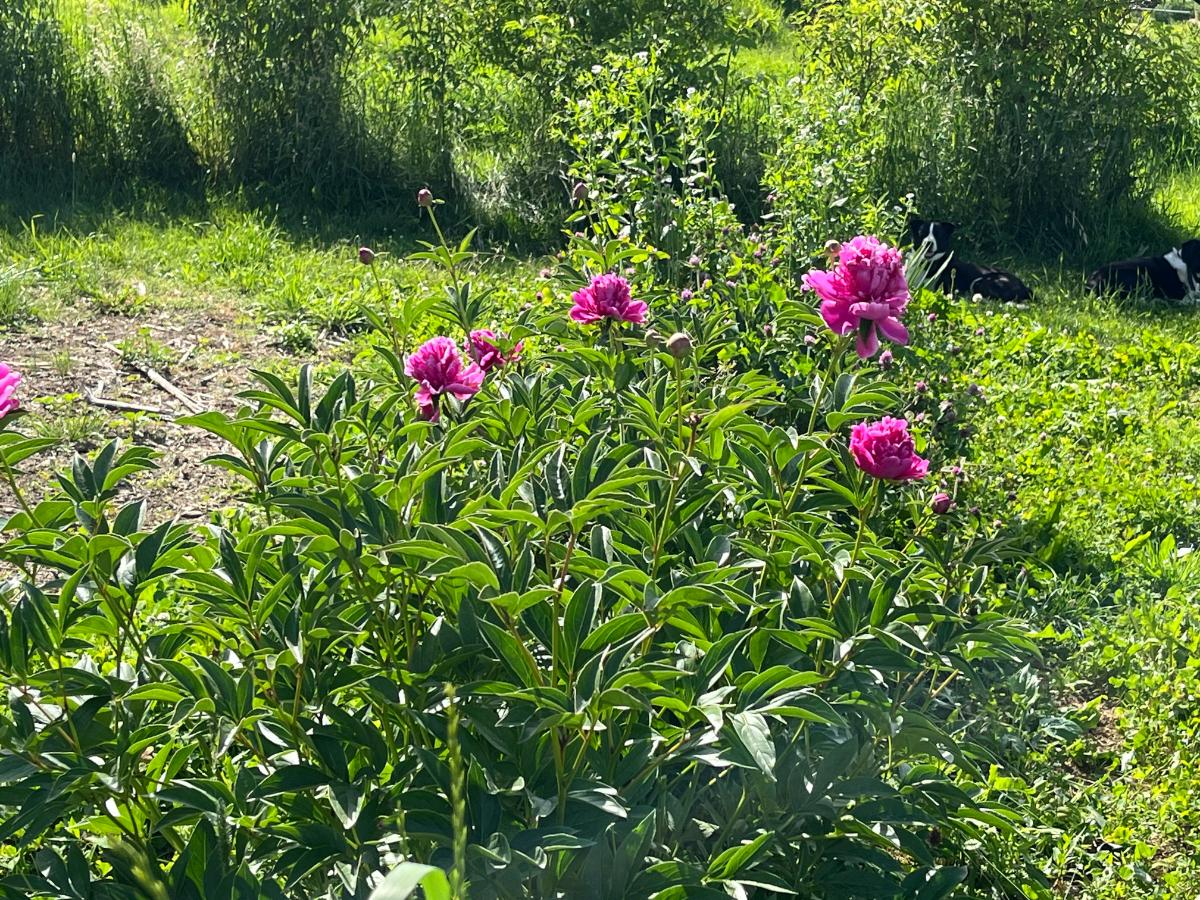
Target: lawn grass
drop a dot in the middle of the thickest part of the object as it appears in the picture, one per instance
(1082, 437)
(1086, 442)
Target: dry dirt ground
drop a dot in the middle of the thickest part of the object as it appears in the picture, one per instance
(83, 357)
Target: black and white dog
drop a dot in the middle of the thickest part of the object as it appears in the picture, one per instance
(959, 276)
(1172, 276)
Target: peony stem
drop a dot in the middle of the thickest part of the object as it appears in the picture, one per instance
(397, 344)
(786, 510)
(12, 482)
(864, 513)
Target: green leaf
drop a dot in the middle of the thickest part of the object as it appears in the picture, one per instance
(297, 777)
(754, 735)
(733, 860)
(407, 877)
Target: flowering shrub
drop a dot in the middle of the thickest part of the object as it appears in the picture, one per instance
(9, 381)
(630, 623)
(439, 370)
(607, 298)
(485, 347)
(885, 449)
(865, 294)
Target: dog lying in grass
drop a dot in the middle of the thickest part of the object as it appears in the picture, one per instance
(1172, 276)
(961, 277)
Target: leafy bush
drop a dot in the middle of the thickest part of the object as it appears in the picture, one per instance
(277, 75)
(627, 623)
(1036, 117)
(79, 103)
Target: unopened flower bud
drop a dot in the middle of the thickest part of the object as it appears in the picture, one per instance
(679, 344)
(694, 261)
(922, 387)
(654, 338)
(366, 255)
(685, 295)
(832, 249)
(580, 192)
(941, 504)
(425, 198)
(886, 359)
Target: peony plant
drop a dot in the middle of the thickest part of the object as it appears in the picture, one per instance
(636, 621)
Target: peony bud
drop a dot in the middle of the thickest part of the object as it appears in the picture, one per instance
(885, 360)
(685, 295)
(580, 192)
(694, 261)
(425, 198)
(941, 504)
(922, 387)
(654, 338)
(366, 255)
(679, 344)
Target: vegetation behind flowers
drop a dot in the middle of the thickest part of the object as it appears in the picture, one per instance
(606, 616)
(1019, 119)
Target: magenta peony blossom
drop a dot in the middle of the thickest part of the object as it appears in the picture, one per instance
(483, 348)
(866, 293)
(439, 368)
(8, 390)
(607, 297)
(885, 449)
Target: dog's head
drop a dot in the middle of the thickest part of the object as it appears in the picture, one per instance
(931, 234)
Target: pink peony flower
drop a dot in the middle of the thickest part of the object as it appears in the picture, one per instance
(483, 348)
(607, 297)
(866, 293)
(885, 449)
(439, 369)
(8, 390)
